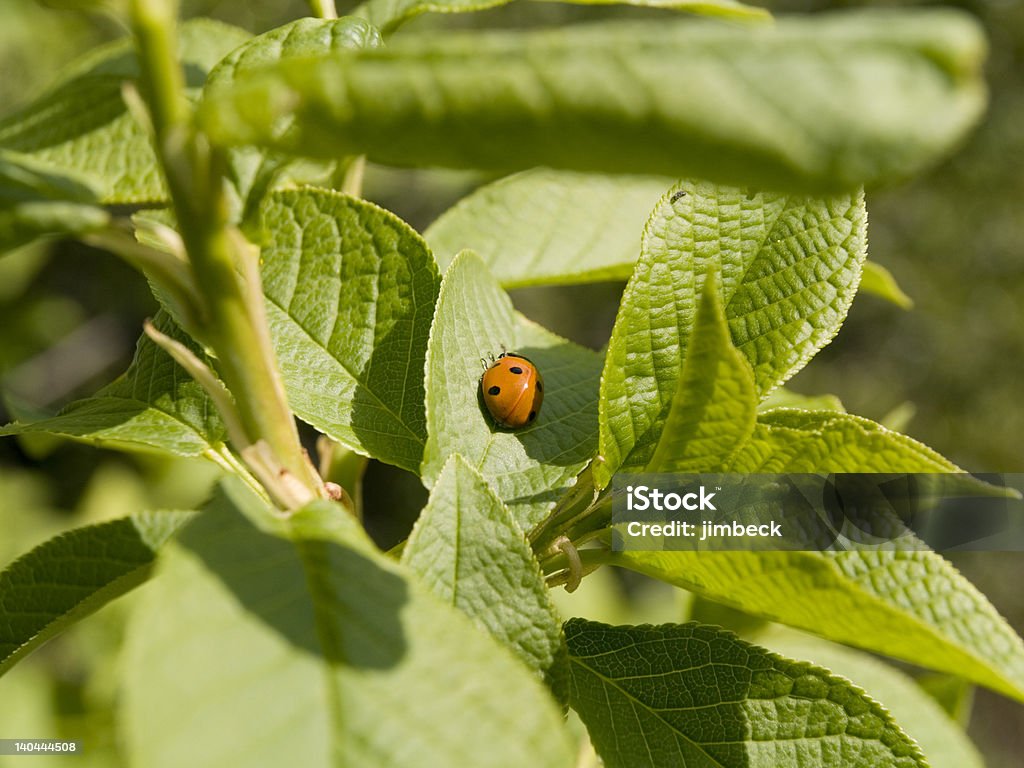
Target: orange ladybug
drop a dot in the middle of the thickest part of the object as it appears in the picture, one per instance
(513, 391)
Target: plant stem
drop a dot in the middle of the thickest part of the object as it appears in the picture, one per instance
(232, 321)
(163, 82)
(167, 271)
(577, 505)
(323, 9)
(196, 368)
(350, 176)
(345, 467)
(236, 326)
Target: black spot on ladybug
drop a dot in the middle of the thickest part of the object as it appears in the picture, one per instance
(540, 387)
(516, 369)
(532, 416)
(494, 390)
(676, 196)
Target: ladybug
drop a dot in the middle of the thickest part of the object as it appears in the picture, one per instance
(513, 391)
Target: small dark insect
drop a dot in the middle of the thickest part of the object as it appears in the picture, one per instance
(676, 196)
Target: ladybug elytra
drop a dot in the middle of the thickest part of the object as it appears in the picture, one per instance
(513, 391)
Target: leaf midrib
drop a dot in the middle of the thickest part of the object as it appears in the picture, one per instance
(634, 702)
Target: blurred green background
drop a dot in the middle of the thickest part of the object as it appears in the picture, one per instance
(951, 369)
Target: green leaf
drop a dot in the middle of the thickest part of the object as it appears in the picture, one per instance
(253, 171)
(879, 281)
(36, 202)
(75, 574)
(787, 398)
(912, 605)
(815, 104)
(789, 267)
(944, 744)
(350, 294)
(953, 694)
(303, 645)
(81, 125)
(899, 416)
(728, 9)
(791, 440)
(714, 408)
(544, 227)
(909, 603)
(469, 552)
(302, 37)
(390, 14)
(528, 468)
(692, 694)
(155, 405)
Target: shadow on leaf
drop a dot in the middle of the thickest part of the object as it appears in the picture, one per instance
(303, 589)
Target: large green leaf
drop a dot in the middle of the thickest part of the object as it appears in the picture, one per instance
(795, 440)
(469, 552)
(350, 293)
(302, 37)
(528, 468)
(944, 744)
(390, 14)
(254, 171)
(912, 605)
(789, 268)
(714, 408)
(822, 103)
(81, 124)
(787, 398)
(154, 405)
(730, 9)
(303, 645)
(693, 694)
(74, 574)
(36, 202)
(908, 603)
(543, 227)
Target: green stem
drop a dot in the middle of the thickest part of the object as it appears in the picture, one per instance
(163, 83)
(350, 176)
(580, 512)
(345, 467)
(556, 569)
(323, 9)
(232, 321)
(165, 270)
(236, 327)
(197, 369)
(223, 457)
